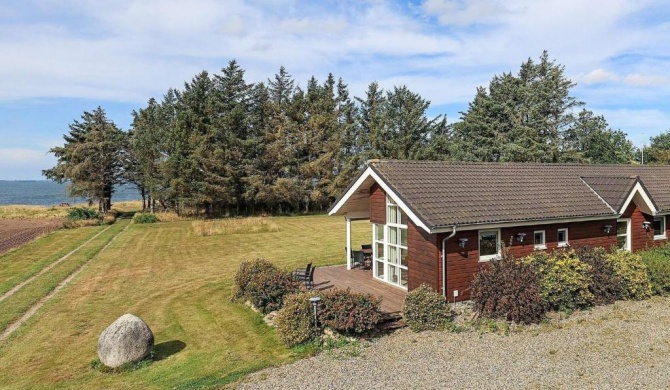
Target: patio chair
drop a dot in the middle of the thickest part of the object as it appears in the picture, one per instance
(302, 271)
(308, 278)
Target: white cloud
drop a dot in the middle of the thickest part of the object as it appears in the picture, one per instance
(598, 76)
(463, 13)
(639, 124)
(641, 80)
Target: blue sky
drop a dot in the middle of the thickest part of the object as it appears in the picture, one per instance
(63, 57)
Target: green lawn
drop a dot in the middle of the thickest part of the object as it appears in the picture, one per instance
(180, 284)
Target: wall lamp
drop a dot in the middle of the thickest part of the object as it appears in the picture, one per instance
(646, 225)
(462, 242)
(608, 229)
(520, 236)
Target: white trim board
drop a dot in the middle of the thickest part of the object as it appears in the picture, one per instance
(638, 189)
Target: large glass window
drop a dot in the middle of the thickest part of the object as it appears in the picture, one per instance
(659, 228)
(391, 246)
(489, 245)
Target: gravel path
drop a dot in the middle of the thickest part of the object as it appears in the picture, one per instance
(621, 346)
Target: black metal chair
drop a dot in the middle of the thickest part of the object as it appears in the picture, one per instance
(301, 272)
(308, 279)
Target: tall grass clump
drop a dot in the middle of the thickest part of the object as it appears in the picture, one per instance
(657, 261)
(234, 226)
(32, 212)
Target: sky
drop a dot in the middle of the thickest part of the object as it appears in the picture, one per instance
(61, 58)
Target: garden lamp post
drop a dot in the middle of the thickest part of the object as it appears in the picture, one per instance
(315, 303)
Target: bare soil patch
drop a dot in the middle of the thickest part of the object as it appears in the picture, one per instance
(16, 232)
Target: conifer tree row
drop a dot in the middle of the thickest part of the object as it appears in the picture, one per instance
(223, 146)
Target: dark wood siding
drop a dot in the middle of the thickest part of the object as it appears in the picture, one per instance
(377, 204)
(423, 265)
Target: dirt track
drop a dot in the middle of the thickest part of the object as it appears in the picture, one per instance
(16, 232)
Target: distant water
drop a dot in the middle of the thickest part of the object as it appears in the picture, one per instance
(48, 193)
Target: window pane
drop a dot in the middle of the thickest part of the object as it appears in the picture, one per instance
(380, 250)
(403, 237)
(403, 257)
(393, 214)
(658, 227)
(488, 244)
(403, 277)
(621, 241)
(622, 227)
(403, 217)
(380, 269)
(539, 238)
(379, 232)
(393, 255)
(561, 236)
(393, 274)
(393, 235)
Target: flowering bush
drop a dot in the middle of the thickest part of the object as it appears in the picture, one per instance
(606, 285)
(508, 289)
(295, 321)
(632, 272)
(564, 279)
(350, 312)
(264, 284)
(425, 309)
(657, 261)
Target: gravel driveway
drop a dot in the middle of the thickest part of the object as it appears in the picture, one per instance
(620, 346)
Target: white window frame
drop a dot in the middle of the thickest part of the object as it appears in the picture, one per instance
(387, 245)
(628, 233)
(495, 256)
(543, 245)
(660, 236)
(375, 253)
(562, 244)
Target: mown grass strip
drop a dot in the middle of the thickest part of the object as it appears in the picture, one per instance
(19, 265)
(12, 308)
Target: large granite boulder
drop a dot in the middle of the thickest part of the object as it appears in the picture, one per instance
(126, 340)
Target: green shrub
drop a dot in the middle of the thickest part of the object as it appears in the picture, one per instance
(145, 218)
(508, 289)
(349, 312)
(81, 213)
(606, 285)
(564, 279)
(247, 272)
(295, 321)
(264, 284)
(632, 272)
(657, 261)
(424, 309)
(268, 289)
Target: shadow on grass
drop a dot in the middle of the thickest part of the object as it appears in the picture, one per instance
(167, 349)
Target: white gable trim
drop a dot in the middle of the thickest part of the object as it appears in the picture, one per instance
(369, 172)
(638, 189)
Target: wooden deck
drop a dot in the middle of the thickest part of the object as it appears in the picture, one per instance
(361, 281)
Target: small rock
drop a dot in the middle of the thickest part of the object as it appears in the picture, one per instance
(270, 318)
(126, 340)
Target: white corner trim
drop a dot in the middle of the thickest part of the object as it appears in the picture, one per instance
(351, 191)
(371, 173)
(639, 189)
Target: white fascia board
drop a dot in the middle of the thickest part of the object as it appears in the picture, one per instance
(539, 222)
(638, 189)
(399, 201)
(351, 191)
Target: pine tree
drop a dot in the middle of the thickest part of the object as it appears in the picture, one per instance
(91, 158)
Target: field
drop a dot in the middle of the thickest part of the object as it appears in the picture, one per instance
(179, 282)
(16, 232)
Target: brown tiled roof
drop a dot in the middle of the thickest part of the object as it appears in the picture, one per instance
(445, 193)
(613, 189)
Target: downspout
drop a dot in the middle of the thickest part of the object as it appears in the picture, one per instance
(444, 261)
